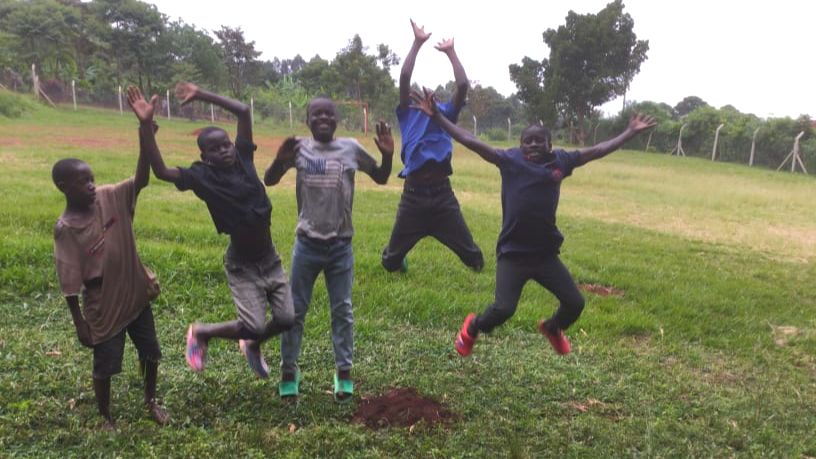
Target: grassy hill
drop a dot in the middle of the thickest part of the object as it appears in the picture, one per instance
(710, 349)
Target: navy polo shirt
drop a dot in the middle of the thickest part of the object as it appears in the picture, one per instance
(423, 140)
(234, 196)
(530, 193)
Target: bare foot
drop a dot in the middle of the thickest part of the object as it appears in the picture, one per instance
(157, 413)
(107, 425)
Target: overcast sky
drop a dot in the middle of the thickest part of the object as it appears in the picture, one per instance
(756, 56)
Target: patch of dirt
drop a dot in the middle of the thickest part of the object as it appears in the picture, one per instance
(601, 290)
(10, 142)
(401, 407)
(783, 333)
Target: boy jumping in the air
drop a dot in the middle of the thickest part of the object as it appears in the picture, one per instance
(325, 192)
(529, 242)
(226, 180)
(96, 258)
(428, 206)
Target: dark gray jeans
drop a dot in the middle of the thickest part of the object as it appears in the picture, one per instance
(513, 271)
(430, 211)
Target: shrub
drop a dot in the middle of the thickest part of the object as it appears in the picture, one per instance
(13, 105)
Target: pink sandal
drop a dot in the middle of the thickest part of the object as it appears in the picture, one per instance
(196, 351)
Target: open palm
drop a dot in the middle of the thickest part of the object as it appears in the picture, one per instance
(141, 107)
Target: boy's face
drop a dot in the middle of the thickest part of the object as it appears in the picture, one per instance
(535, 142)
(79, 187)
(322, 119)
(217, 149)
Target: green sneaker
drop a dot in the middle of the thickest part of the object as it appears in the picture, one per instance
(343, 389)
(290, 388)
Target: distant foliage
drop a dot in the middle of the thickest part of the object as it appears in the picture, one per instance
(13, 105)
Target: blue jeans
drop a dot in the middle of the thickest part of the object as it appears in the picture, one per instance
(336, 260)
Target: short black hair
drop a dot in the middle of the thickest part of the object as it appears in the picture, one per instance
(536, 127)
(64, 169)
(204, 133)
(315, 99)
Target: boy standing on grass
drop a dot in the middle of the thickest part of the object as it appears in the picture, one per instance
(529, 242)
(96, 258)
(226, 180)
(325, 193)
(428, 206)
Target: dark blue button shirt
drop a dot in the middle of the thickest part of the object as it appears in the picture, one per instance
(530, 193)
(235, 196)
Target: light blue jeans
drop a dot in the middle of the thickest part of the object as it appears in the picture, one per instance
(336, 260)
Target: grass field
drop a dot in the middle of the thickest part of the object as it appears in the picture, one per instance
(710, 351)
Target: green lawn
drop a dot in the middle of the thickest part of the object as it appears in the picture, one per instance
(711, 350)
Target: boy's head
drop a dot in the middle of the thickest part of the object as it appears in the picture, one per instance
(216, 147)
(536, 140)
(75, 180)
(321, 117)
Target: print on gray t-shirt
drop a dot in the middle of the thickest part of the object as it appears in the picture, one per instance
(325, 185)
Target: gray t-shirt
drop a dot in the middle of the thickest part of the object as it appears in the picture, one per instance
(325, 185)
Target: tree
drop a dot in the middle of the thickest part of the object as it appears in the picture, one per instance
(41, 33)
(195, 56)
(239, 57)
(593, 58)
(688, 105)
(138, 43)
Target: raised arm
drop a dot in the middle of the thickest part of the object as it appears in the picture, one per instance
(637, 124)
(188, 92)
(385, 143)
(420, 36)
(147, 139)
(426, 103)
(283, 161)
(142, 177)
(462, 84)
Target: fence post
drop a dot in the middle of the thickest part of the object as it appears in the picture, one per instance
(252, 110)
(290, 115)
(753, 148)
(73, 92)
(365, 120)
(509, 129)
(35, 84)
(475, 131)
(716, 139)
(119, 97)
(679, 147)
(167, 98)
(212, 114)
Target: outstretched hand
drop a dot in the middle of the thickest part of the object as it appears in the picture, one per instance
(384, 140)
(288, 149)
(186, 92)
(142, 108)
(424, 101)
(445, 46)
(419, 32)
(640, 122)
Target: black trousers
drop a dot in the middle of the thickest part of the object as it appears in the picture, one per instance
(107, 355)
(513, 271)
(430, 211)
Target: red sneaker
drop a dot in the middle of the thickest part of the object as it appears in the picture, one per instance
(464, 342)
(557, 340)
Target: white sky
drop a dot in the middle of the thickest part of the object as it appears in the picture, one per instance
(756, 56)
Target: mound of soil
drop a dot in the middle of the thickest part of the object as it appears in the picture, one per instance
(402, 407)
(601, 290)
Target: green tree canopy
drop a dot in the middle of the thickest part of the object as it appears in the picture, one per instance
(593, 58)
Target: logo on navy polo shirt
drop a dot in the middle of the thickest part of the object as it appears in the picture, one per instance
(557, 175)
